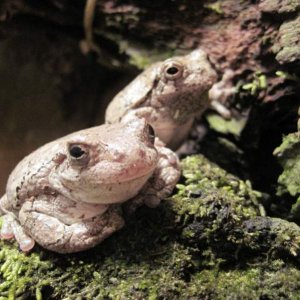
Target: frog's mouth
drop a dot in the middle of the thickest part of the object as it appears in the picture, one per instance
(122, 168)
(122, 174)
(122, 191)
(113, 192)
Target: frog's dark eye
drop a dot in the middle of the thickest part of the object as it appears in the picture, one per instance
(172, 70)
(151, 134)
(78, 153)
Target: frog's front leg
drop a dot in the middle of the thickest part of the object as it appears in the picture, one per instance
(165, 177)
(53, 234)
(11, 228)
(6, 228)
(162, 182)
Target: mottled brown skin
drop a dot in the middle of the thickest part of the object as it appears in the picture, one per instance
(66, 195)
(169, 95)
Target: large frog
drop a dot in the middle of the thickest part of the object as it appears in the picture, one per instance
(169, 95)
(66, 195)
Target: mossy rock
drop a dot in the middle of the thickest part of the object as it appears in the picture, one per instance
(287, 47)
(288, 154)
(209, 241)
(279, 6)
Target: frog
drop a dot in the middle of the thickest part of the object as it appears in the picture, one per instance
(169, 94)
(68, 195)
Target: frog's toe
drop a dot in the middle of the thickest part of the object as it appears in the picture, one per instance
(6, 229)
(6, 234)
(172, 177)
(152, 201)
(25, 242)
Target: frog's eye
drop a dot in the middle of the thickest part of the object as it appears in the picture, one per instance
(78, 153)
(172, 70)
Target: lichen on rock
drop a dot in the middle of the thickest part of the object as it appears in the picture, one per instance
(279, 6)
(287, 46)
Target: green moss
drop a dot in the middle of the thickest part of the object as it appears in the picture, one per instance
(140, 56)
(219, 124)
(273, 280)
(288, 154)
(19, 272)
(216, 185)
(271, 236)
(287, 76)
(208, 241)
(216, 7)
(258, 83)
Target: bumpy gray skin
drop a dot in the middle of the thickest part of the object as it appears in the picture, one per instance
(69, 202)
(168, 101)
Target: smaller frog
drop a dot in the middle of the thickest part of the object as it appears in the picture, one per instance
(66, 195)
(169, 95)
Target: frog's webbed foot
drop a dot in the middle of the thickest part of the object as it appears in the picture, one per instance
(11, 228)
(53, 234)
(161, 184)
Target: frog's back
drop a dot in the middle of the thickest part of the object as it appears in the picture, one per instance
(133, 95)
